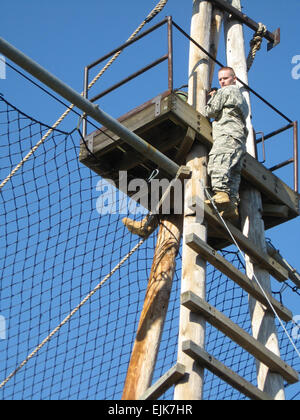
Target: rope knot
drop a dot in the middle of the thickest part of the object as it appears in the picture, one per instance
(255, 43)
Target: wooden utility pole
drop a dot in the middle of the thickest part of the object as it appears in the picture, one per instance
(216, 24)
(263, 324)
(192, 326)
(150, 328)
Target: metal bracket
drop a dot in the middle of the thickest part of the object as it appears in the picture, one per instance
(276, 40)
(273, 38)
(263, 145)
(90, 142)
(157, 102)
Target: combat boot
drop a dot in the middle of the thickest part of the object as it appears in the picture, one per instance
(141, 228)
(231, 212)
(221, 199)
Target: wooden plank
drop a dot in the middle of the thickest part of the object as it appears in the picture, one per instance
(164, 383)
(274, 210)
(264, 260)
(294, 276)
(263, 325)
(269, 184)
(224, 373)
(173, 108)
(141, 118)
(192, 265)
(241, 337)
(214, 258)
(185, 146)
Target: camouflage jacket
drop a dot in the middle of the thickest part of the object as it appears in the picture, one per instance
(229, 109)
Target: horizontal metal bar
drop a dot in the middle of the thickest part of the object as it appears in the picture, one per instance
(222, 4)
(281, 165)
(296, 157)
(129, 78)
(274, 133)
(128, 43)
(88, 107)
(239, 80)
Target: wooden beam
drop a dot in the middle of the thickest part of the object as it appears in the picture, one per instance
(193, 268)
(294, 276)
(269, 184)
(224, 373)
(238, 335)
(214, 258)
(150, 328)
(216, 23)
(164, 383)
(173, 108)
(263, 259)
(275, 210)
(185, 146)
(262, 322)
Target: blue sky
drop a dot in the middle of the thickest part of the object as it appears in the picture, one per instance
(64, 36)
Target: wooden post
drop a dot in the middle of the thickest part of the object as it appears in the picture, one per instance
(192, 326)
(216, 24)
(263, 324)
(150, 328)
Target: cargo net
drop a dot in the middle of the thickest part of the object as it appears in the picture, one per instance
(56, 246)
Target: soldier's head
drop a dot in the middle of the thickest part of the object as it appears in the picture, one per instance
(227, 76)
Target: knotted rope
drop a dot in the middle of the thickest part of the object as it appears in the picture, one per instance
(255, 43)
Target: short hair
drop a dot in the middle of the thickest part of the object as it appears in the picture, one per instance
(228, 68)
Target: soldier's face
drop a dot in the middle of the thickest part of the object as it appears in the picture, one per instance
(226, 78)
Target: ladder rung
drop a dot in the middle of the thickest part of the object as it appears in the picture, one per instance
(214, 258)
(241, 337)
(263, 259)
(164, 383)
(223, 372)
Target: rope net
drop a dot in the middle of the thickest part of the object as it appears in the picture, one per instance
(56, 248)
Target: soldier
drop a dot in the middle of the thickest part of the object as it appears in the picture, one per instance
(229, 109)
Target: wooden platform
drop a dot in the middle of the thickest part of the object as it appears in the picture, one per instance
(171, 125)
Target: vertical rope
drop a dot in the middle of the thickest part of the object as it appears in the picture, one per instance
(255, 44)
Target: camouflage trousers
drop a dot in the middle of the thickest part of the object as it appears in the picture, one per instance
(225, 165)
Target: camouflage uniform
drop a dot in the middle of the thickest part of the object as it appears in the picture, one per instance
(229, 110)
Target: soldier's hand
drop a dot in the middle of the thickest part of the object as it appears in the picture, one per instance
(211, 93)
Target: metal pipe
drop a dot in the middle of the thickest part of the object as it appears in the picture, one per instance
(263, 145)
(170, 53)
(274, 133)
(85, 95)
(88, 107)
(281, 165)
(273, 38)
(296, 158)
(129, 78)
(239, 80)
(126, 44)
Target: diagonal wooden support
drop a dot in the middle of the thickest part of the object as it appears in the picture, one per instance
(214, 258)
(185, 146)
(164, 383)
(238, 335)
(150, 328)
(223, 372)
